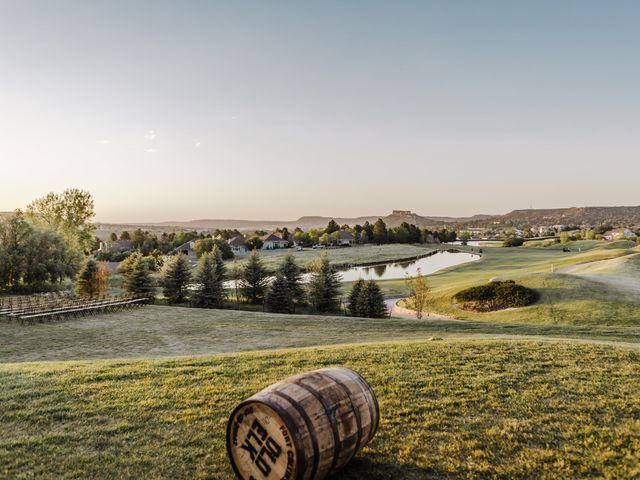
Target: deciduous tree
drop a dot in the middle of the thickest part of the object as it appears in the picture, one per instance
(93, 278)
(419, 297)
(69, 213)
(380, 233)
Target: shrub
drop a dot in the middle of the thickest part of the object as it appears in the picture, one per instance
(495, 296)
(513, 242)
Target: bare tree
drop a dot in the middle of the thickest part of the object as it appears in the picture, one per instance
(419, 298)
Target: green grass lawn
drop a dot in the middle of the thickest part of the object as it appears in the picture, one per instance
(450, 409)
(548, 391)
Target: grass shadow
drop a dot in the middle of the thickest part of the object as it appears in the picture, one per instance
(366, 468)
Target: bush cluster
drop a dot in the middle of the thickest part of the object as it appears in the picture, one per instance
(495, 296)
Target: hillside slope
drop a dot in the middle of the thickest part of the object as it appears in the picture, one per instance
(449, 409)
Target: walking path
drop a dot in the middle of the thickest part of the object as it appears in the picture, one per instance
(399, 312)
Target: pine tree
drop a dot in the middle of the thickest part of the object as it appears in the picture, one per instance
(371, 301)
(292, 273)
(254, 279)
(279, 296)
(137, 277)
(93, 279)
(324, 285)
(210, 279)
(354, 298)
(175, 279)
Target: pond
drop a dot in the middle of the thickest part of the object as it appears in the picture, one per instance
(397, 270)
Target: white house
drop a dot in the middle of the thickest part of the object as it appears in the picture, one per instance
(273, 241)
(619, 233)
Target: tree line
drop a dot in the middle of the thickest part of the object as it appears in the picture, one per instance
(282, 291)
(377, 233)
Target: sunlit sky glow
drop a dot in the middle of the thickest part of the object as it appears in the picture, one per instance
(273, 110)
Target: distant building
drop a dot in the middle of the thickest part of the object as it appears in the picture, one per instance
(345, 238)
(273, 242)
(116, 246)
(238, 246)
(477, 232)
(619, 233)
(187, 248)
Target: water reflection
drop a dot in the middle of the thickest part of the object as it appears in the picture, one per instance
(391, 271)
(379, 270)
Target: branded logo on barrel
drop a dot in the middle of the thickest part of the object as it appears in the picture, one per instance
(261, 447)
(263, 450)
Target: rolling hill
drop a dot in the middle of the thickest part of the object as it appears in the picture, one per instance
(615, 216)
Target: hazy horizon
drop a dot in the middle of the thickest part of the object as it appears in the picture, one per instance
(276, 110)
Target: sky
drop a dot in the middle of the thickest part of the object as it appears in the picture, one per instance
(169, 110)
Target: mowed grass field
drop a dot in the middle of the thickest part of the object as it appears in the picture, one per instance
(568, 294)
(161, 331)
(450, 409)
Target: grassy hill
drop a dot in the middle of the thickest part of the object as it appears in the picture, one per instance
(622, 215)
(450, 409)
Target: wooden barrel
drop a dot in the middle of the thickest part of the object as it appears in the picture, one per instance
(304, 427)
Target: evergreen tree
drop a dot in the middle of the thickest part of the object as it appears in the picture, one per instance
(293, 274)
(137, 278)
(371, 301)
(354, 298)
(175, 279)
(254, 278)
(324, 285)
(279, 296)
(210, 279)
(93, 278)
